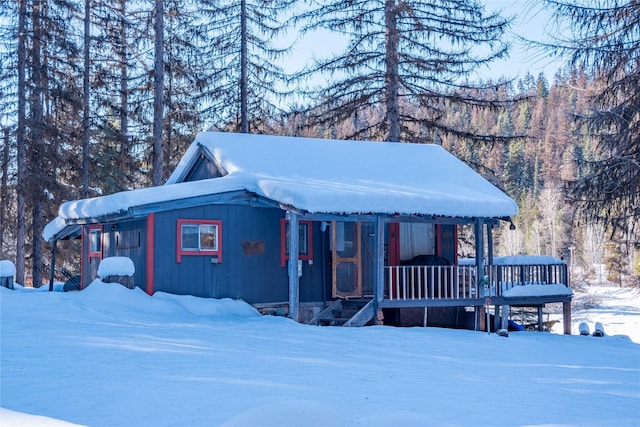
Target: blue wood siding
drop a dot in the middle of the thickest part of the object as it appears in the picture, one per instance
(128, 239)
(119, 239)
(254, 276)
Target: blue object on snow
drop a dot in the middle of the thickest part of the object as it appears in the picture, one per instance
(513, 326)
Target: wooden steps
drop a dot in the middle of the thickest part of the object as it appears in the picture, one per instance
(344, 312)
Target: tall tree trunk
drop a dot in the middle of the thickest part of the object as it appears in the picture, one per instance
(37, 142)
(21, 142)
(123, 134)
(85, 99)
(391, 71)
(4, 190)
(244, 120)
(158, 88)
(125, 149)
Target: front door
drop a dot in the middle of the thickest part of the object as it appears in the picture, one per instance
(346, 274)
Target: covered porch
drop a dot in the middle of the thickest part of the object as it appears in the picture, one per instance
(480, 284)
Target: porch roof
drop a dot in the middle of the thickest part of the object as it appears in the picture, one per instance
(319, 176)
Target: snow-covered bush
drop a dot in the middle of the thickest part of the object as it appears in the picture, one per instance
(116, 266)
(7, 268)
(117, 269)
(7, 271)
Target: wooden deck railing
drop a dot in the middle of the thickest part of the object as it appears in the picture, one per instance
(430, 282)
(411, 282)
(508, 276)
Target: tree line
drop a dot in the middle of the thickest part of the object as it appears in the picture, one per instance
(100, 96)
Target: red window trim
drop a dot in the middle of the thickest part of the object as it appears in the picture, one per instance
(284, 257)
(212, 253)
(89, 230)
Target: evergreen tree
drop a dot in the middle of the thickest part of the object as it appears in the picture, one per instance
(606, 40)
(409, 57)
(158, 92)
(241, 77)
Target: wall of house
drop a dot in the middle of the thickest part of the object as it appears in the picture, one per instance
(118, 239)
(128, 239)
(447, 242)
(250, 266)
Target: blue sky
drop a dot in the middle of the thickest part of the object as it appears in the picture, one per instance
(530, 21)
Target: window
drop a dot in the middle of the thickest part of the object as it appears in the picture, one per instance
(199, 237)
(127, 240)
(305, 241)
(95, 241)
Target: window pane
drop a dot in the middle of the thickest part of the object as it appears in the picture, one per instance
(349, 236)
(190, 237)
(303, 247)
(94, 240)
(208, 237)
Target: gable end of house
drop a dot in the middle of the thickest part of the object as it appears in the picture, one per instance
(204, 166)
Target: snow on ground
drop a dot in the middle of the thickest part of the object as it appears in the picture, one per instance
(618, 309)
(110, 356)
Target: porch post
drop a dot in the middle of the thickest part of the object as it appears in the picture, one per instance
(493, 278)
(490, 244)
(566, 317)
(52, 273)
(378, 278)
(477, 230)
(479, 238)
(540, 319)
(504, 316)
(294, 282)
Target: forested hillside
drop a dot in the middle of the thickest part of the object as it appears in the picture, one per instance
(101, 96)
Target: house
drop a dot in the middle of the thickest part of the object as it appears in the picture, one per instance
(317, 229)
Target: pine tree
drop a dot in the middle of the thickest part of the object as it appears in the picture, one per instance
(411, 58)
(242, 79)
(158, 92)
(4, 190)
(605, 40)
(119, 93)
(181, 118)
(21, 136)
(86, 96)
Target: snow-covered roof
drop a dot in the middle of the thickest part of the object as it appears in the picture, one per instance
(321, 176)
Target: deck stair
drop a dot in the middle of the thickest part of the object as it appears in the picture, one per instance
(343, 312)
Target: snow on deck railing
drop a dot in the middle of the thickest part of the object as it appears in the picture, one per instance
(508, 276)
(410, 282)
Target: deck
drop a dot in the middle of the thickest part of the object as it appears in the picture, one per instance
(424, 286)
(530, 285)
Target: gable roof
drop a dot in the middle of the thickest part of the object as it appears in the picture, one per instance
(335, 176)
(320, 176)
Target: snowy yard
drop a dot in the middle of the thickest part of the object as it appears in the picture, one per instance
(110, 356)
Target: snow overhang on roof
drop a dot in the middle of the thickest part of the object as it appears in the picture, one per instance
(322, 176)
